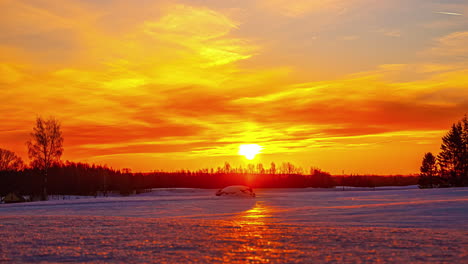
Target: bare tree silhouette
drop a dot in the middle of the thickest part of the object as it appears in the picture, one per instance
(273, 168)
(45, 147)
(9, 161)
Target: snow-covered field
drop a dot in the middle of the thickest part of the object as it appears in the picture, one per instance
(389, 225)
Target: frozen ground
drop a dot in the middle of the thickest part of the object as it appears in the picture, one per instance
(392, 225)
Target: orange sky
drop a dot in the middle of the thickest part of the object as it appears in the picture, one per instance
(356, 85)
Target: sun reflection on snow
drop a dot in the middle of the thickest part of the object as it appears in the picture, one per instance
(257, 213)
(256, 238)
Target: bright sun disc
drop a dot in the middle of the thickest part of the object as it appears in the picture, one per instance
(249, 150)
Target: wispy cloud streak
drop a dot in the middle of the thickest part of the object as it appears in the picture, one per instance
(449, 13)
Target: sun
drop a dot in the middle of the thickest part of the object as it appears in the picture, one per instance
(249, 150)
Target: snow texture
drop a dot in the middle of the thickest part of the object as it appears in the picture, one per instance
(358, 225)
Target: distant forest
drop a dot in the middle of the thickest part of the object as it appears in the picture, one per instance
(71, 178)
(47, 174)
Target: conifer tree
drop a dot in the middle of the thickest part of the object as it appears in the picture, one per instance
(428, 171)
(453, 158)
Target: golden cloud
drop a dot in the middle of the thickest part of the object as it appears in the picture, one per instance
(303, 7)
(184, 80)
(454, 46)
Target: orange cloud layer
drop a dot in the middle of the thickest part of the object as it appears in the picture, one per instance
(163, 85)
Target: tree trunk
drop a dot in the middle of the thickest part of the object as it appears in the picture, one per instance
(44, 187)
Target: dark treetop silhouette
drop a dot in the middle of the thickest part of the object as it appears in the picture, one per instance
(9, 161)
(45, 147)
(450, 168)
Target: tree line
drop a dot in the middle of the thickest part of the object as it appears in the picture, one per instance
(71, 178)
(47, 174)
(450, 167)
